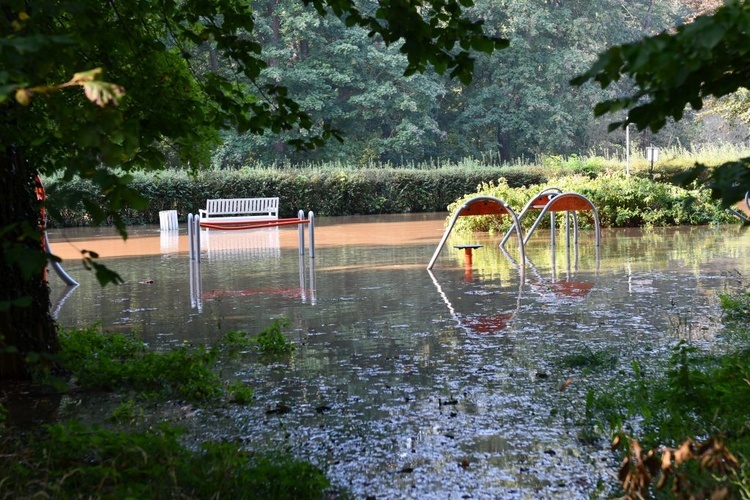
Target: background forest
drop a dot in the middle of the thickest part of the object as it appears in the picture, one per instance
(519, 105)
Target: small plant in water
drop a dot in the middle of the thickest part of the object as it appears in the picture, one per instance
(107, 362)
(272, 340)
(736, 307)
(236, 341)
(587, 360)
(240, 393)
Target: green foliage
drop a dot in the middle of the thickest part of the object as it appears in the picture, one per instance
(589, 360)
(696, 395)
(707, 57)
(240, 393)
(126, 413)
(430, 32)
(736, 307)
(117, 362)
(235, 341)
(681, 67)
(620, 202)
(71, 460)
(272, 340)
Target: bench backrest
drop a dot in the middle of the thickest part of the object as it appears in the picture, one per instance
(239, 206)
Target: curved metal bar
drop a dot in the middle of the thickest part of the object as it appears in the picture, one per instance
(739, 215)
(529, 206)
(467, 207)
(550, 207)
(744, 217)
(41, 195)
(67, 279)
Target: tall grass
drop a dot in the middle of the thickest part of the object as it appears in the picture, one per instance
(672, 156)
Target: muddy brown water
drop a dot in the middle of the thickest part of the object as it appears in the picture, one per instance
(407, 383)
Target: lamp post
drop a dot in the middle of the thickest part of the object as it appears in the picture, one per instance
(627, 150)
(652, 155)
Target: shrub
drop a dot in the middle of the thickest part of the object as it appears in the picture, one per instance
(619, 201)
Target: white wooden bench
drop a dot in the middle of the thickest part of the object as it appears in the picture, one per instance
(240, 210)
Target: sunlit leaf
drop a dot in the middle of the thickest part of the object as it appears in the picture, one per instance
(103, 93)
(23, 97)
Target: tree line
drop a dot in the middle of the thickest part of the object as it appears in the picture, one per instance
(520, 103)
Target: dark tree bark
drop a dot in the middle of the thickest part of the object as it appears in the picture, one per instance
(28, 334)
(503, 146)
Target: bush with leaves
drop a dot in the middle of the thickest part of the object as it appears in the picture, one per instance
(620, 201)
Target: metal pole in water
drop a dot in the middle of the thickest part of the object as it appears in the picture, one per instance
(311, 218)
(301, 216)
(197, 234)
(302, 289)
(190, 235)
(552, 230)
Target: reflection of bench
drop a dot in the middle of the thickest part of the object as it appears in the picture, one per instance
(240, 210)
(263, 242)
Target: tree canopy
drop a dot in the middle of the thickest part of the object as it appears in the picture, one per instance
(519, 103)
(707, 58)
(146, 94)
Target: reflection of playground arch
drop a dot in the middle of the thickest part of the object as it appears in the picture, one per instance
(569, 288)
(482, 205)
(479, 323)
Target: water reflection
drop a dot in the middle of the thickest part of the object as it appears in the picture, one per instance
(452, 379)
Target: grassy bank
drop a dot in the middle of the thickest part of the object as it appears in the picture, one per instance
(137, 448)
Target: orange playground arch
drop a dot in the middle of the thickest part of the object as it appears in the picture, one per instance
(482, 205)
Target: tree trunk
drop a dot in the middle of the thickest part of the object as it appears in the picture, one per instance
(503, 146)
(28, 335)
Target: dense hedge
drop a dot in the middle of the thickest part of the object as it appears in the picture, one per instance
(327, 193)
(621, 201)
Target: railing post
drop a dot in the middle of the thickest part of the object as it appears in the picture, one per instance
(190, 235)
(301, 216)
(311, 218)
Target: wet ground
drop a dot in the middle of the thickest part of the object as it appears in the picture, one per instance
(414, 384)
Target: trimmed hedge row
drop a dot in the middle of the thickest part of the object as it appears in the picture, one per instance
(330, 192)
(327, 193)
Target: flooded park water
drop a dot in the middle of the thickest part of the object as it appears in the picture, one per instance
(409, 383)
